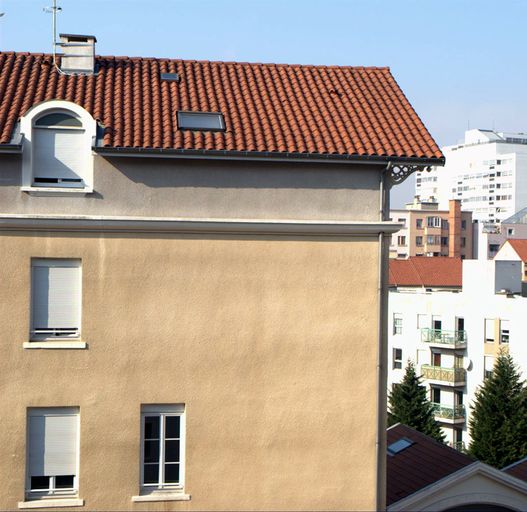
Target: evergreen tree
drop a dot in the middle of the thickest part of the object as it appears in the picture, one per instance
(409, 405)
(499, 416)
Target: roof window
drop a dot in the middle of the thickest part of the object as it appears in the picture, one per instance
(206, 121)
(170, 77)
(399, 445)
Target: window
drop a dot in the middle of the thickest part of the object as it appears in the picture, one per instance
(489, 366)
(53, 452)
(463, 224)
(401, 240)
(203, 121)
(57, 154)
(399, 446)
(504, 331)
(463, 241)
(494, 248)
(397, 358)
(444, 224)
(489, 330)
(419, 241)
(435, 395)
(433, 222)
(397, 323)
(436, 359)
(444, 241)
(419, 223)
(402, 221)
(510, 231)
(55, 299)
(163, 448)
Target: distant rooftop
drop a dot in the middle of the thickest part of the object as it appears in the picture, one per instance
(419, 271)
(519, 217)
(481, 136)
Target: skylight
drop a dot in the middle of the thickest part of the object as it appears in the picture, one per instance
(206, 121)
(170, 77)
(399, 445)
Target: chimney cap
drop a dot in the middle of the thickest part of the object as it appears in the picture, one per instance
(80, 36)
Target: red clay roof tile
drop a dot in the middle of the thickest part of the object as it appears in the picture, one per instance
(520, 246)
(325, 110)
(426, 272)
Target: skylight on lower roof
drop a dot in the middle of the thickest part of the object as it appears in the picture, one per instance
(206, 121)
(399, 445)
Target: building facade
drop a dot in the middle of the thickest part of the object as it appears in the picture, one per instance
(428, 231)
(487, 172)
(180, 246)
(453, 329)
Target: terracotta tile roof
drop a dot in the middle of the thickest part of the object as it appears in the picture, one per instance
(518, 469)
(295, 109)
(520, 246)
(423, 463)
(427, 272)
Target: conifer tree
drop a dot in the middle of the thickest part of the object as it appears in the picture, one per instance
(409, 405)
(499, 416)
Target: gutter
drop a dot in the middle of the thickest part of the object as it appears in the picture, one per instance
(382, 349)
(15, 149)
(262, 155)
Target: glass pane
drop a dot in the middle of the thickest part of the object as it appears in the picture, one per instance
(171, 473)
(200, 121)
(171, 451)
(151, 473)
(64, 481)
(58, 119)
(151, 451)
(151, 427)
(39, 482)
(172, 427)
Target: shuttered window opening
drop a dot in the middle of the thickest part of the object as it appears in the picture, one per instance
(56, 299)
(53, 436)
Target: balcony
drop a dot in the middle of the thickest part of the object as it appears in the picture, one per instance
(446, 339)
(449, 414)
(445, 376)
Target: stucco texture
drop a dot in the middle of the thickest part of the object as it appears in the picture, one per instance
(271, 344)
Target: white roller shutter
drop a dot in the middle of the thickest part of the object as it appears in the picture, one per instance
(53, 442)
(58, 157)
(56, 297)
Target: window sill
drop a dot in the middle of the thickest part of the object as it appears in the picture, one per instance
(56, 191)
(55, 345)
(52, 503)
(162, 496)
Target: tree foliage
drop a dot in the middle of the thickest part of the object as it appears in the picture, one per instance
(498, 423)
(409, 405)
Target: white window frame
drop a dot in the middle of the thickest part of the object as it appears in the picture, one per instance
(505, 331)
(397, 362)
(43, 337)
(397, 323)
(52, 492)
(489, 325)
(164, 410)
(89, 126)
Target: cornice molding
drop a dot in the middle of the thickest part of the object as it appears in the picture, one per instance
(59, 223)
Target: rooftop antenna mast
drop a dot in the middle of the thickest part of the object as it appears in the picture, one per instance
(53, 10)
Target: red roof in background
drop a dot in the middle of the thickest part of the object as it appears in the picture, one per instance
(520, 246)
(326, 110)
(423, 463)
(427, 272)
(517, 469)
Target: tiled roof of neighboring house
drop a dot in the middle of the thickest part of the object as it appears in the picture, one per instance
(426, 272)
(424, 462)
(517, 469)
(268, 108)
(520, 246)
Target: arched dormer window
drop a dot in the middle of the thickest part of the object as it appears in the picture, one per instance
(58, 149)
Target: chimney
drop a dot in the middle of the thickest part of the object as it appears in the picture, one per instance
(78, 54)
(454, 225)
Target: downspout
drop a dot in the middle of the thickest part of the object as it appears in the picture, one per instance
(382, 349)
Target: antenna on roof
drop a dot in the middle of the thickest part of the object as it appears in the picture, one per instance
(53, 10)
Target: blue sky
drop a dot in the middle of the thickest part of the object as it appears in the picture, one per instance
(460, 62)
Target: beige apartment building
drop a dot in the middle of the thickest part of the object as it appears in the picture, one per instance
(193, 275)
(428, 231)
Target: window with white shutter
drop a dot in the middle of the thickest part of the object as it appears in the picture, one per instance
(58, 151)
(53, 451)
(55, 298)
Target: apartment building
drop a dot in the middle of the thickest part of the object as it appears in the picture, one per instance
(487, 172)
(451, 318)
(428, 231)
(194, 273)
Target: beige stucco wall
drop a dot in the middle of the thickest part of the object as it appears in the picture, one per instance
(203, 188)
(270, 343)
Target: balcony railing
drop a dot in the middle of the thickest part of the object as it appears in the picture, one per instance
(459, 446)
(454, 339)
(454, 376)
(445, 412)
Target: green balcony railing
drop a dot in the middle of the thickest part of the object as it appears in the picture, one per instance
(456, 412)
(448, 375)
(455, 339)
(459, 446)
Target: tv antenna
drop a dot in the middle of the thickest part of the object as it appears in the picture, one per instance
(53, 10)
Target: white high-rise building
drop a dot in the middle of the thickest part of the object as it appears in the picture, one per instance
(487, 172)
